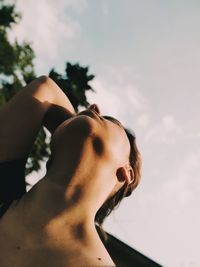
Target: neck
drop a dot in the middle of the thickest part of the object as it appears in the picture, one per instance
(52, 210)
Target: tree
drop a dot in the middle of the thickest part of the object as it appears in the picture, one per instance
(17, 69)
(16, 60)
(74, 83)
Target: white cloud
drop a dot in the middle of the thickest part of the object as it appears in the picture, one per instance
(166, 131)
(118, 97)
(76, 5)
(143, 120)
(49, 28)
(186, 180)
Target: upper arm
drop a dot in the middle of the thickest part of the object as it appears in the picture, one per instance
(22, 117)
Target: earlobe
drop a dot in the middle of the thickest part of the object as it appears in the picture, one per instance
(125, 174)
(121, 174)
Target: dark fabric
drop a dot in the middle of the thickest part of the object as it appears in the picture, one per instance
(12, 182)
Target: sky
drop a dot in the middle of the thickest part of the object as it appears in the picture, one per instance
(146, 58)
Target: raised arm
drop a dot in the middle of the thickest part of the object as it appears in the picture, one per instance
(40, 102)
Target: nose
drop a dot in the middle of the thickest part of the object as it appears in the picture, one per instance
(95, 108)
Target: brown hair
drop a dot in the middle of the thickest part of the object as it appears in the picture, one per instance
(113, 202)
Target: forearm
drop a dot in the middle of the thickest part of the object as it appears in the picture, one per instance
(41, 102)
(58, 105)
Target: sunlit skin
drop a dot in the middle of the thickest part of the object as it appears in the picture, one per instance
(55, 219)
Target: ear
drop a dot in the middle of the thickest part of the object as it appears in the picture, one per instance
(125, 174)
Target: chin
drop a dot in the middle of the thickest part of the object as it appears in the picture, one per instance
(78, 127)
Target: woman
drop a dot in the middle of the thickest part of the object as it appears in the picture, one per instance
(94, 163)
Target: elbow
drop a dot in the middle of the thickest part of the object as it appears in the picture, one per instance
(41, 89)
(45, 82)
(43, 79)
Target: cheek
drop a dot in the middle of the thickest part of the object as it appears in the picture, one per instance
(113, 148)
(118, 150)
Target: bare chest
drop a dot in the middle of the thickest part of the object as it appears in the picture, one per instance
(16, 252)
(30, 257)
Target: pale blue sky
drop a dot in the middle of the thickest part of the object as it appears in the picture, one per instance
(146, 58)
